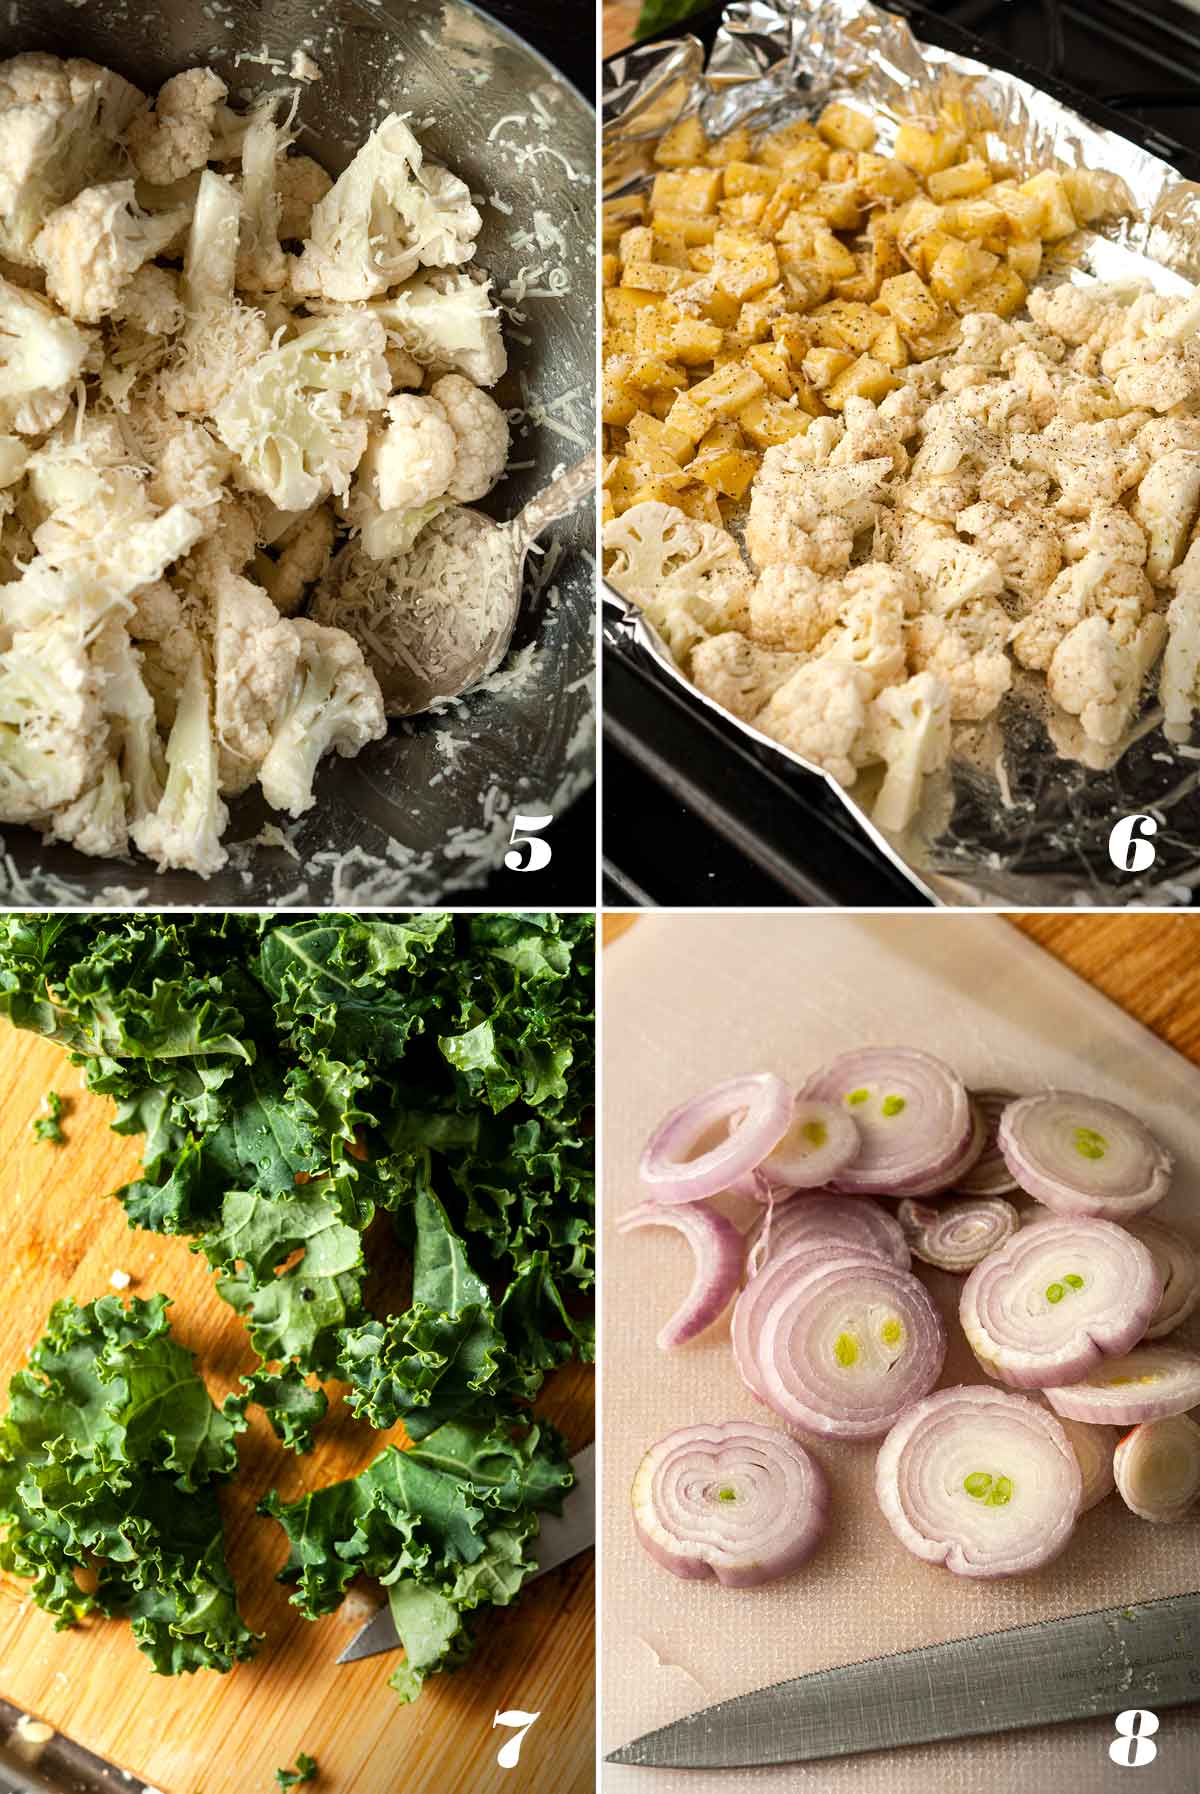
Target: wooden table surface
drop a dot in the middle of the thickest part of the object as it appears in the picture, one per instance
(619, 19)
(1149, 964)
(211, 1734)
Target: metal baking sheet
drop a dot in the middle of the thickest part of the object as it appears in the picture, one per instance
(1013, 820)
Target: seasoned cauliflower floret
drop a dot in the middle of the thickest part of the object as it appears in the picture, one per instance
(412, 460)
(255, 653)
(176, 138)
(334, 706)
(966, 652)
(192, 471)
(1166, 505)
(1021, 542)
(739, 675)
(812, 515)
(42, 355)
(481, 431)
(1096, 586)
(151, 302)
(1179, 685)
(792, 607)
(908, 728)
(820, 713)
(687, 576)
(1098, 679)
(93, 246)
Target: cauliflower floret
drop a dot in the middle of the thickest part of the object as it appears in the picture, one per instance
(966, 654)
(296, 560)
(1077, 314)
(820, 713)
(335, 705)
(739, 675)
(388, 214)
(1179, 683)
(59, 128)
(151, 302)
(867, 434)
(1091, 462)
(222, 338)
(812, 515)
(167, 626)
(949, 573)
(447, 321)
(186, 828)
(412, 459)
(1098, 679)
(42, 355)
(908, 727)
(687, 576)
(1096, 586)
(1108, 530)
(1166, 505)
(133, 739)
(176, 138)
(300, 183)
(52, 730)
(482, 432)
(262, 267)
(792, 607)
(93, 246)
(192, 471)
(95, 823)
(1021, 542)
(869, 630)
(297, 419)
(255, 653)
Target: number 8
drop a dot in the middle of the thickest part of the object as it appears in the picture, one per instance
(1133, 1747)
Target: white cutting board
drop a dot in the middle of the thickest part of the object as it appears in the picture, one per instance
(691, 999)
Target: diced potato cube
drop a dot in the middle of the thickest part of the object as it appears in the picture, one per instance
(867, 379)
(746, 209)
(736, 146)
(688, 419)
(725, 392)
(885, 258)
(975, 220)
(649, 372)
(889, 346)
(608, 510)
(689, 190)
(621, 481)
(743, 264)
(621, 303)
(1003, 292)
(914, 223)
(1057, 219)
(749, 177)
(1023, 210)
(700, 503)
(792, 191)
(722, 308)
(822, 366)
(768, 421)
(678, 226)
(957, 268)
(684, 143)
(610, 269)
(837, 203)
(1025, 259)
(695, 341)
(653, 277)
(907, 299)
(662, 490)
(620, 339)
(636, 244)
(928, 151)
(883, 177)
(653, 459)
(945, 335)
(795, 336)
(795, 147)
(617, 403)
(1094, 196)
(959, 182)
(646, 429)
(832, 257)
(700, 259)
(728, 471)
(769, 360)
(846, 127)
(620, 214)
(842, 324)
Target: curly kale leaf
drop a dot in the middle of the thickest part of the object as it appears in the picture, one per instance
(48, 1125)
(305, 1771)
(108, 1456)
(445, 1526)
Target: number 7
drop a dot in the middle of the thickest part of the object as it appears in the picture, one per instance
(510, 1751)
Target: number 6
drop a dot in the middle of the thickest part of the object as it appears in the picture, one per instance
(539, 851)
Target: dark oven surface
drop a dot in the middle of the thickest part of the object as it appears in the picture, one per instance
(694, 815)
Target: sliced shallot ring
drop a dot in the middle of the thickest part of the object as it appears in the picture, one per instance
(717, 1249)
(912, 1113)
(959, 1234)
(849, 1220)
(1150, 1383)
(821, 1140)
(980, 1480)
(812, 1257)
(1083, 1156)
(1093, 1447)
(989, 1175)
(1056, 1298)
(1157, 1468)
(1179, 1269)
(740, 1502)
(762, 1104)
(843, 1351)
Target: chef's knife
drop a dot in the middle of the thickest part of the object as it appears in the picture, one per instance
(560, 1536)
(1119, 1658)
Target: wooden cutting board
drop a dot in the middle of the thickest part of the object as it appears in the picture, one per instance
(209, 1734)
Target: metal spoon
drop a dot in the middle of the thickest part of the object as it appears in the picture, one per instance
(495, 552)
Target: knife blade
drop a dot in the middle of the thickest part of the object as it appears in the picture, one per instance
(1092, 1663)
(560, 1536)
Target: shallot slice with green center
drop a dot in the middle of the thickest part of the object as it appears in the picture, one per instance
(917, 1126)
(1093, 1447)
(989, 1175)
(811, 1257)
(757, 1110)
(843, 1220)
(1056, 1298)
(845, 1349)
(740, 1502)
(717, 1247)
(1150, 1383)
(1082, 1156)
(1157, 1467)
(957, 1235)
(821, 1140)
(979, 1480)
(1180, 1272)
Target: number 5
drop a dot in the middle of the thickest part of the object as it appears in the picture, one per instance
(539, 851)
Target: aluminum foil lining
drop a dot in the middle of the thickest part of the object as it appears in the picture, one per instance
(1021, 817)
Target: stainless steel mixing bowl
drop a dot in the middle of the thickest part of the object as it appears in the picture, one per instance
(406, 821)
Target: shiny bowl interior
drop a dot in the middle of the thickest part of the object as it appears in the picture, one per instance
(428, 810)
